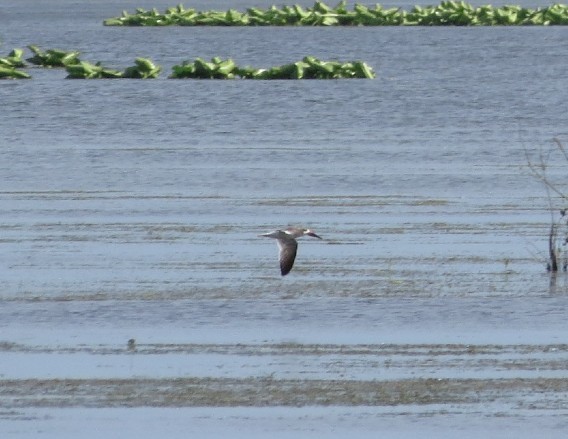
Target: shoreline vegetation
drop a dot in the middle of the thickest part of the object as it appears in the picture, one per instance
(447, 13)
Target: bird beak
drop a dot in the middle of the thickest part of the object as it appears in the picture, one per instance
(314, 235)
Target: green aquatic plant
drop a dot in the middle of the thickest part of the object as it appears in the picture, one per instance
(447, 13)
(10, 63)
(14, 59)
(143, 69)
(200, 69)
(53, 57)
(86, 70)
(12, 73)
(308, 68)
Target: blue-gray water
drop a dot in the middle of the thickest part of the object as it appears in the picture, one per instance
(131, 209)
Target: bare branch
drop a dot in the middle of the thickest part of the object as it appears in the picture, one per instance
(560, 147)
(539, 171)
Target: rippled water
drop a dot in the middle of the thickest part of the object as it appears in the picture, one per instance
(130, 209)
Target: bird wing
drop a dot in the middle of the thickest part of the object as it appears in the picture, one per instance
(288, 249)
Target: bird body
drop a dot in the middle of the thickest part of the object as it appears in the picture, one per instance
(288, 246)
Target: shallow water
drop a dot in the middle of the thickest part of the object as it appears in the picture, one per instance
(131, 209)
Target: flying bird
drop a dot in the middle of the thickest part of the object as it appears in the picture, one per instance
(286, 240)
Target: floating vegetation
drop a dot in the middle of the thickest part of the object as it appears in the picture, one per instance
(53, 57)
(308, 68)
(12, 73)
(143, 69)
(86, 70)
(14, 59)
(10, 64)
(447, 13)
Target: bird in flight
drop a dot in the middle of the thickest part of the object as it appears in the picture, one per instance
(288, 246)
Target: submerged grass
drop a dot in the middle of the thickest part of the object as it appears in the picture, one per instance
(264, 392)
(466, 351)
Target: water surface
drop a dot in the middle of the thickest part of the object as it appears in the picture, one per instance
(131, 209)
